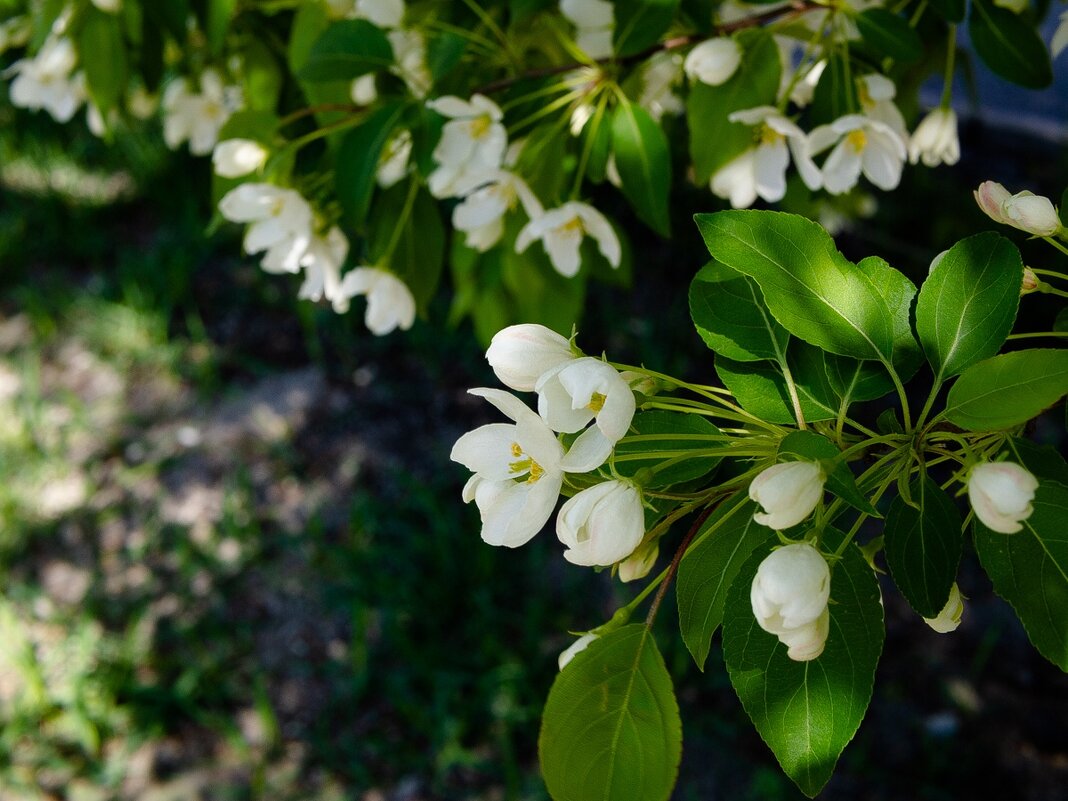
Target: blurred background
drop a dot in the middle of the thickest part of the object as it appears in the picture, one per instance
(234, 559)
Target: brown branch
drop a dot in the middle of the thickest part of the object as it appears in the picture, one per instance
(795, 9)
(673, 568)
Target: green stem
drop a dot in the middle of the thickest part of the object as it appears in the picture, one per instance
(1039, 334)
(951, 55)
(791, 388)
(402, 220)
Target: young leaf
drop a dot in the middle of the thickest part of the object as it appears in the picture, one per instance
(810, 446)
(644, 163)
(808, 285)
(898, 292)
(640, 23)
(611, 725)
(358, 157)
(689, 427)
(1009, 45)
(732, 318)
(709, 567)
(889, 35)
(761, 390)
(1030, 570)
(102, 53)
(1007, 390)
(923, 546)
(968, 303)
(346, 50)
(807, 712)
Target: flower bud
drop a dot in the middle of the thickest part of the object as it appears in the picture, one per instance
(713, 61)
(577, 647)
(935, 140)
(520, 354)
(949, 618)
(788, 491)
(638, 564)
(1000, 494)
(602, 525)
(236, 157)
(1032, 213)
(991, 196)
(1030, 282)
(790, 589)
(806, 643)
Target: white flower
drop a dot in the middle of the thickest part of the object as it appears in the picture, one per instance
(472, 145)
(521, 354)
(517, 470)
(876, 94)
(660, 76)
(481, 215)
(788, 491)
(577, 391)
(141, 103)
(1060, 36)
(935, 139)
(393, 165)
(281, 223)
(1000, 494)
(761, 170)
(45, 81)
(110, 6)
(593, 21)
(949, 618)
(789, 597)
(578, 646)
(713, 61)
(198, 117)
(390, 303)
(602, 524)
(322, 269)
(236, 157)
(561, 231)
(383, 13)
(804, 90)
(1025, 210)
(864, 145)
(363, 90)
(638, 564)
(409, 53)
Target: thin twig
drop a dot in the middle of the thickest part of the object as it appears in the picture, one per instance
(674, 566)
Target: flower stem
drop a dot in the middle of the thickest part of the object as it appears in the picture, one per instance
(951, 55)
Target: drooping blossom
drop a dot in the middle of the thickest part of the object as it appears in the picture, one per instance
(935, 139)
(602, 524)
(481, 214)
(861, 144)
(561, 231)
(948, 619)
(1000, 494)
(521, 354)
(281, 223)
(48, 81)
(198, 116)
(789, 598)
(390, 303)
(788, 492)
(472, 145)
(713, 61)
(594, 22)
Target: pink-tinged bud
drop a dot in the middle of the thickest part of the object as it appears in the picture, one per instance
(991, 196)
(1000, 494)
(1025, 210)
(949, 618)
(1030, 282)
(521, 354)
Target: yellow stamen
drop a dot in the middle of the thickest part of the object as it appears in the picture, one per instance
(536, 472)
(766, 135)
(516, 450)
(858, 140)
(596, 402)
(480, 126)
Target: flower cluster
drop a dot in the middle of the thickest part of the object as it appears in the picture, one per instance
(519, 468)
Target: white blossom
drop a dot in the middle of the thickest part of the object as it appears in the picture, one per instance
(761, 170)
(863, 145)
(601, 525)
(788, 492)
(659, 78)
(713, 61)
(561, 231)
(390, 304)
(1025, 210)
(517, 470)
(393, 164)
(789, 598)
(805, 89)
(322, 264)
(46, 80)
(409, 53)
(383, 13)
(949, 618)
(576, 391)
(577, 647)
(593, 21)
(876, 93)
(281, 223)
(1060, 36)
(472, 145)
(521, 354)
(236, 157)
(198, 117)
(481, 214)
(1000, 494)
(109, 6)
(363, 90)
(935, 139)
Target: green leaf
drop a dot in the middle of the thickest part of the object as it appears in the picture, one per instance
(714, 140)
(611, 727)
(836, 93)
(358, 157)
(640, 23)
(219, 14)
(102, 53)
(1042, 460)
(898, 292)
(730, 315)
(813, 447)
(1008, 390)
(761, 390)
(1010, 45)
(407, 220)
(807, 712)
(951, 10)
(644, 163)
(968, 303)
(690, 428)
(813, 291)
(923, 546)
(709, 567)
(262, 76)
(308, 25)
(346, 50)
(889, 35)
(1030, 570)
(443, 54)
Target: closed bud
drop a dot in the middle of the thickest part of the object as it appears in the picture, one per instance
(520, 354)
(949, 618)
(790, 589)
(1000, 494)
(638, 564)
(602, 525)
(1030, 282)
(236, 157)
(806, 643)
(788, 491)
(577, 647)
(1025, 210)
(713, 61)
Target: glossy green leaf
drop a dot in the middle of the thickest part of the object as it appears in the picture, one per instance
(346, 50)
(1030, 570)
(218, 15)
(807, 712)
(889, 35)
(761, 390)
(309, 23)
(103, 56)
(836, 92)
(1009, 389)
(813, 291)
(644, 163)
(923, 546)
(714, 140)
(358, 157)
(968, 303)
(611, 727)
(813, 447)
(898, 292)
(732, 318)
(640, 23)
(693, 433)
(1009, 44)
(408, 237)
(709, 567)
(1042, 460)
